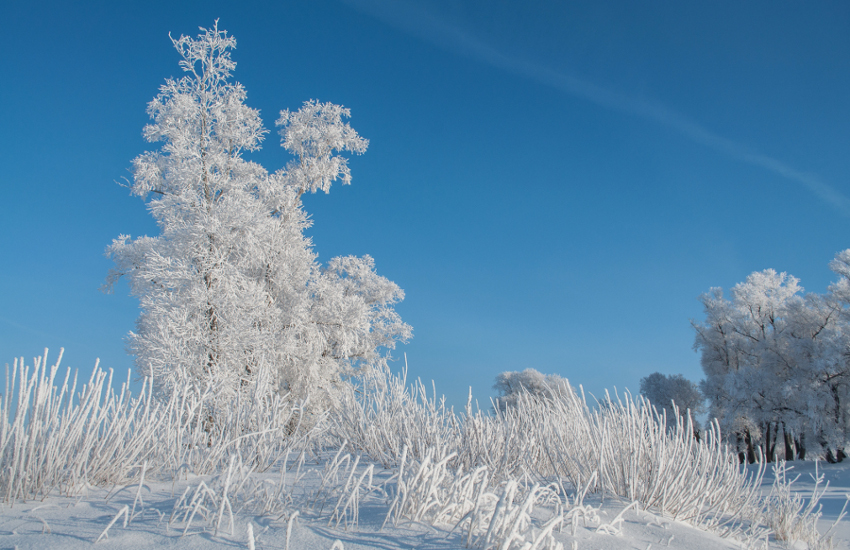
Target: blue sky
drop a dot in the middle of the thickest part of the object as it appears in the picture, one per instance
(552, 185)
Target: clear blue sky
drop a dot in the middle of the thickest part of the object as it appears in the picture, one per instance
(552, 185)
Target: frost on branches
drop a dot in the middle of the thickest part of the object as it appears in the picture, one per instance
(231, 296)
(776, 365)
(512, 384)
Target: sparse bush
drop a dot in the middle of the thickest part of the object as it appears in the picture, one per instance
(789, 516)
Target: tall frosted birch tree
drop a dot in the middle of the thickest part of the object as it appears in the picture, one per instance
(232, 298)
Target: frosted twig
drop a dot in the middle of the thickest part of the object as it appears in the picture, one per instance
(124, 511)
(139, 491)
(250, 537)
(289, 525)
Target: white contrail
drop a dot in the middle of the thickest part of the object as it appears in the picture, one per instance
(419, 22)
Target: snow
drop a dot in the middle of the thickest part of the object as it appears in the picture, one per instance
(834, 498)
(76, 522)
(392, 468)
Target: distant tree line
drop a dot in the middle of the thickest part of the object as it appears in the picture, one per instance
(673, 395)
(776, 364)
(777, 369)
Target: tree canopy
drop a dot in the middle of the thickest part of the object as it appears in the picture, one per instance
(231, 295)
(776, 360)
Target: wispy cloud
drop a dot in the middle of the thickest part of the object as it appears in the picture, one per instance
(417, 21)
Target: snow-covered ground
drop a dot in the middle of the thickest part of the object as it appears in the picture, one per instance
(77, 522)
(833, 497)
(390, 468)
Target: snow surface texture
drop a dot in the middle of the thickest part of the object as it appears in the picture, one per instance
(69, 522)
(391, 469)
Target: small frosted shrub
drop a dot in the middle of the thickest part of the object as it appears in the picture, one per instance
(790, 518)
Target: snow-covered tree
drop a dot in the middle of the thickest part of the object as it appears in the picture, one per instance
(775, 361)
(511, 384)
(664, 391)
(231, 295)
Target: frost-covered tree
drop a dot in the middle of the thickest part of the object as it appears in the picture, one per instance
(776, 363)
(232, 298)
(664, 391)
(511, 384)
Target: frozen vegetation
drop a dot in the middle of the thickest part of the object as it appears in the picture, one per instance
(268, 417)
(389, 467)
(775, 360)
(232, 298)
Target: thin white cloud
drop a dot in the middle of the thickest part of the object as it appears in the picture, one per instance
(421, 23)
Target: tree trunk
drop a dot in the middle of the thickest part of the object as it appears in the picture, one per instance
(769, 443)
(836, 457)
(789, 444)
(742, 457)
(801, 447)
(751, 453)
